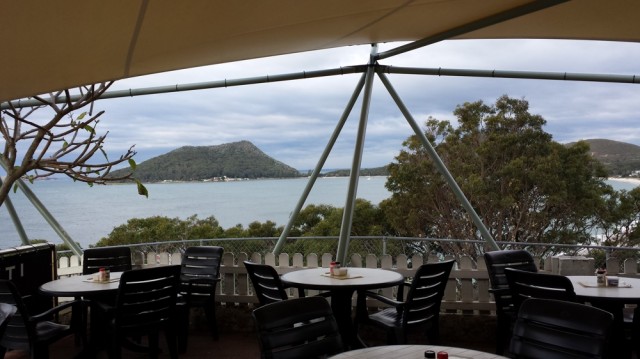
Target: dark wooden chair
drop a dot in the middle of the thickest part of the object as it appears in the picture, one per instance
(266, 283)
(199, 277)
(422, 307)
(497, 262)
(36, 332)
(297, 328)
(525, 284)
(145, 306)
(554, 329)
(116, 259)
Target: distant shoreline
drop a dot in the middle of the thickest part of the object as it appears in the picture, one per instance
(626, 179)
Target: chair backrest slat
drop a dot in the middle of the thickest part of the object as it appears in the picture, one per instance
(266, 283)
(524, 285)
(297, 328)
(116, 259)
(553, 329)
(147, 296)
(201, 266)
(426, 292)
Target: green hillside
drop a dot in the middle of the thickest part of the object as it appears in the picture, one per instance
(199, 163)
(620, 158)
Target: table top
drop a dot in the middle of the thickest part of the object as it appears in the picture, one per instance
(628, 290)
(79, 286)
(413, 352)
(359, 278)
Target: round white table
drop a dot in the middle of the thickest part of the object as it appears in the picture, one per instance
(342, 290)
(413, 352)
(627, 291)
(611, 299)
(80, 286)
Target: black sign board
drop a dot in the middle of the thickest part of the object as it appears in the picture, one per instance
(29, 267)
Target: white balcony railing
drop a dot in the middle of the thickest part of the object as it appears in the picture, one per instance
(466, 293)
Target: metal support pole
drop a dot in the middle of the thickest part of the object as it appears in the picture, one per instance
(319, 165)
(46, 215)
(439, 164)
(15, 219)
(347, 214)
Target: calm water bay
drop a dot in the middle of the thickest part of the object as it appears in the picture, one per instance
(90, 213)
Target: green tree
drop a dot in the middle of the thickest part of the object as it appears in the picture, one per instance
(525, 186)
(326, 221)
(162, 229)
(618, 222)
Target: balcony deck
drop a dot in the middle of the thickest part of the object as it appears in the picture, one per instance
(239, 340)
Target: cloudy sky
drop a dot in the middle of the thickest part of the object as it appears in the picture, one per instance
(292, 121)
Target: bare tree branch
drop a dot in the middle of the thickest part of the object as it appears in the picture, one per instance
(67, 143)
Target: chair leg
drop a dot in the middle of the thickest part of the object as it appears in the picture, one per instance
(154, 344)
(396, 336)
(635, 331)
(39, 352)
(3, 351)
(114, 349)
(210, 312)
(172, 342)
(183, 323)
(502, 335)
(433, 333)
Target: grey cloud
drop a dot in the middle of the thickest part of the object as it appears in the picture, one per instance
(292, 121)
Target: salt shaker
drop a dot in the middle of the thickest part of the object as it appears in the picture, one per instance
(103, 275)
(601, 277)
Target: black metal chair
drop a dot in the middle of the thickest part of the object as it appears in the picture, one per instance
(422, 307)
(297, 328)
(115, 259)
(266, 283)
(145, 306)
(497, 262)
(199, 276)
(634, 336)
(524, 285)
(554, 329)
(36, 332)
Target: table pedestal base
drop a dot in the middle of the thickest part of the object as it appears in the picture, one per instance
(341, 303)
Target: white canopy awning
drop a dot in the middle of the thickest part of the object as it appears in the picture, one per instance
(53, 45)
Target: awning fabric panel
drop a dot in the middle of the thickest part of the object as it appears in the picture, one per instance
(53, 45)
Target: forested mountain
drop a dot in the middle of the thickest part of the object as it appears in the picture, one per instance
(377, 171)
(619, 158)
(198, 163)
(244, 160)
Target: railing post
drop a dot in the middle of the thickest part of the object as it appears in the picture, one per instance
(384, 245)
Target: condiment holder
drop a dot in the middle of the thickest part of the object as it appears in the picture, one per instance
(341, 272)
(103, 275)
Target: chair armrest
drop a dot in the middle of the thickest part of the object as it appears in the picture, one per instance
(400, 295)
(46, 315)
(383, 299)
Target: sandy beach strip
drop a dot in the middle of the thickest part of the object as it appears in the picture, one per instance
(634, 180)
